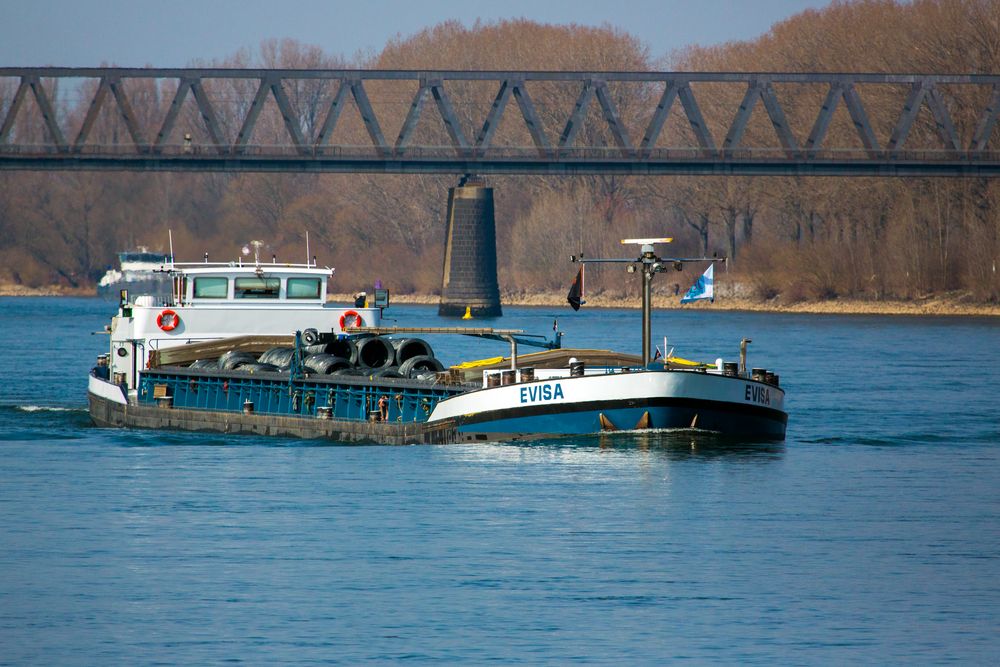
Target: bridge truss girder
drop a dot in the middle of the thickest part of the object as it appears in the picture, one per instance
(146, 146)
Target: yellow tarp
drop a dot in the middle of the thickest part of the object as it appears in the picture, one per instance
(687, 362)
(480, 362)
(493, 361)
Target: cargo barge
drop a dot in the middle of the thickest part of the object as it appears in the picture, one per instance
(254, 349)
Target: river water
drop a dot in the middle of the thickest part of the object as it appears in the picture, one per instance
(872, 534)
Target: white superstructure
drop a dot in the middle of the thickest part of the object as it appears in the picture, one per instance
(209, 301)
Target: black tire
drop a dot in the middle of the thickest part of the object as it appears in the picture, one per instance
(325, 363)
(274, 352)
(279, 356)
(374, 353)
(232, 359)
(343, 347)
(257, 368)
(422, 364)
(407, 348)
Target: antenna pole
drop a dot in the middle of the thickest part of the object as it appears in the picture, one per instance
(649, 264)
(647, 308)
(170, 237)
(307, 247)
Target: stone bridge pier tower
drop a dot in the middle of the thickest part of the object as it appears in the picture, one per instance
(469, 279)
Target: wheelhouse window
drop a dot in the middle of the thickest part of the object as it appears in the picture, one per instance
(211, 288)
(257, 288)
(303, 288)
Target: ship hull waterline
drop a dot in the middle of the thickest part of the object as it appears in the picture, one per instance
(505, 420)
(107, 412)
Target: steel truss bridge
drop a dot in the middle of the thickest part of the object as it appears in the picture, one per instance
(41, 131)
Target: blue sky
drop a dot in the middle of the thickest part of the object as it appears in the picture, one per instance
(172, 33)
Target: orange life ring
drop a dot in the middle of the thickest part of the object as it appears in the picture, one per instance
(357, 319)
(168, 320)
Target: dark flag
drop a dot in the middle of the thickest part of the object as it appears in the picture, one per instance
(575, 296)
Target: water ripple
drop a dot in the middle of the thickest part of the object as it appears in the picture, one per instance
(868, 536)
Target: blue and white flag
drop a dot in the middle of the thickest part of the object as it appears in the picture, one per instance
(704, 288)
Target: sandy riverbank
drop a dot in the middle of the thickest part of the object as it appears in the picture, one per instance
(943, 305)
(9, 289)
(950, 304)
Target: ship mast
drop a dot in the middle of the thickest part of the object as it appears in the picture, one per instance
(649, 263)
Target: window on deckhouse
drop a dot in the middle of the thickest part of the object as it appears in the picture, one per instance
(303, 288)
(257, 288)
(211, 288)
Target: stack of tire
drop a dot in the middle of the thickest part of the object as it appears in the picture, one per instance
(372, 356)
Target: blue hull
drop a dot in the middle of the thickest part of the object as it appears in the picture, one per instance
(663, 414)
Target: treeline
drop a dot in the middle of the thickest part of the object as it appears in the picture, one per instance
(790, 238)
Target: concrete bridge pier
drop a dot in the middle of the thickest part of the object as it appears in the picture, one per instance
(469, 278)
